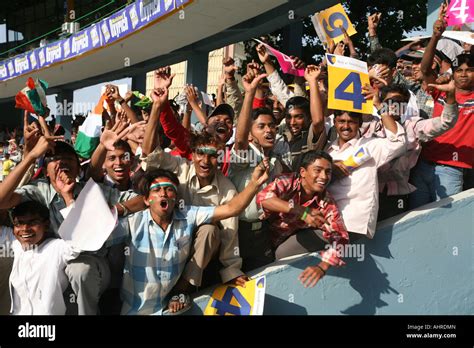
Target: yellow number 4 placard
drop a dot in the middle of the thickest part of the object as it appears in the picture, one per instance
(346, 77)
(236, 300)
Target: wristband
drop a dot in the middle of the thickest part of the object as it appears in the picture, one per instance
(125, 210)
(305, 214)
(322, 270)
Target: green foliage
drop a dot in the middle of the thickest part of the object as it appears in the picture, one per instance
(398, 17)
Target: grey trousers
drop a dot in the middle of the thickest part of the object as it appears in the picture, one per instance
(205, 245)
(303, 241)
(89, 276)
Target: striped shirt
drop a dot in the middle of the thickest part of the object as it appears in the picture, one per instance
(155, 258)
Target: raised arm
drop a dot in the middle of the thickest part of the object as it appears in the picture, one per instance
(429, 75)
(233, 95)
(373, 22)
(8, 197)
(151, 141)
(243, 199)
(193, 100)
(250, 82)
(311, 75)
(113, 93)
(107, 141)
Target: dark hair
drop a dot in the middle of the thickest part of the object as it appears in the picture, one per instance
(30, 208)
(262, 111)
(383, 56)
(149, 176)
(461, 59)
(61, 147)
(203, 138)
(300, 103)
(122, 144)
(7, 155)
(350, 113)
(311, 156)
(395, 88)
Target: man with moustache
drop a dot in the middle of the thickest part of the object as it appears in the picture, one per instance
(356, 192)
(160, 241)
(201, 184)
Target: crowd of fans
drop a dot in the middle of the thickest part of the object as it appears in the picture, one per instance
(263, 176)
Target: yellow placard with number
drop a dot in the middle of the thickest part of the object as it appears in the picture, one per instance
(236, 300)
(346, 76)
(328, 22)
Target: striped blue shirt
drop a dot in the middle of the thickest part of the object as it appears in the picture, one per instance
(155, 258)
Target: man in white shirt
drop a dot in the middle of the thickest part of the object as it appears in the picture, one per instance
(356, 192)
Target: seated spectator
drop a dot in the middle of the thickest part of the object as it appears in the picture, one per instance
(201, 184)
(160, 241)
(303, 216)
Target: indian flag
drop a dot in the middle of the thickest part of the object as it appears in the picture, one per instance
(88, 137)
(33, 97)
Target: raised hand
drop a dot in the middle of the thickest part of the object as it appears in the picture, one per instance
(44, 144)
(112, 92)
(263, 54)
(312, 73)
(31, 133)
(110, 136)
(298, 63)
(64, 183)
(191, 95)
(159, 95)
(137, 132)
(252, 79)
(373, 21)
(229, 67)
(163, 77)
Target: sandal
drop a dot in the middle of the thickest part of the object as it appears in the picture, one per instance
(181, 298)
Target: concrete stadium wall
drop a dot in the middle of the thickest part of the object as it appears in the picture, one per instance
(420, 262)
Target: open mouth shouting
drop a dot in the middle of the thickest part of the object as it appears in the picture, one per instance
(269, 138)
(119, 171)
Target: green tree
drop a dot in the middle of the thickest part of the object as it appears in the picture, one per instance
(398, 17)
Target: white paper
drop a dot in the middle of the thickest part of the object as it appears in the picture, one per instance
(90, 222)
(464, 36)
(206, 100)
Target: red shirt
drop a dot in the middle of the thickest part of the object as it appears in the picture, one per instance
(456, 146)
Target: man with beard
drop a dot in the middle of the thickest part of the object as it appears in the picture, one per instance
(89, 274)
(440, 171)
(160, 241)
(254, 141)
(201, 184)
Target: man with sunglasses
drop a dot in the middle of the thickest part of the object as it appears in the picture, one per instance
(201, 184)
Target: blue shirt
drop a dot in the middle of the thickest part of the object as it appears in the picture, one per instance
(155, 258)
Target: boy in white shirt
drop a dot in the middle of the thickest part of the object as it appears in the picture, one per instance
(38, 278)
